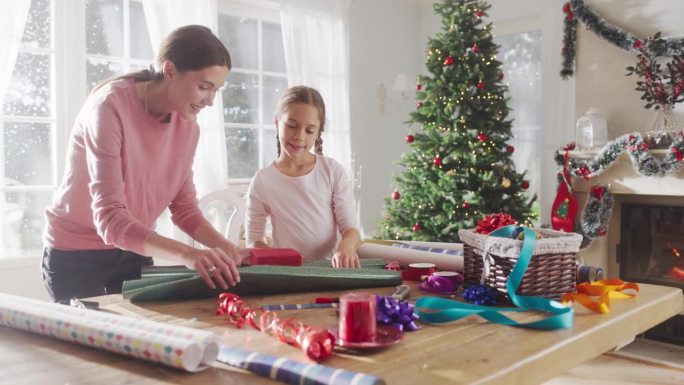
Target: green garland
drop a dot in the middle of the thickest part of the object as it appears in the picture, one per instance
(612, 34)
(598, 209)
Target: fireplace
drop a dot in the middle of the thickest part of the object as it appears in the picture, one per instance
(651, 248)
(645, 231)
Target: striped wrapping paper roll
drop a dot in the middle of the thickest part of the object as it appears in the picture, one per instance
(176, 346)
(293, 372)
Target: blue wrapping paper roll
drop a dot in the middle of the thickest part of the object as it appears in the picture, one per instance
(293, 372)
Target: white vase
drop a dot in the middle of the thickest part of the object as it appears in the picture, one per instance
(591, 131)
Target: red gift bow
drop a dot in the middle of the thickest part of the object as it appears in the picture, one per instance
(492, 222)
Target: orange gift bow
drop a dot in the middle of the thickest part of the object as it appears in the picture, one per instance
(605, 290)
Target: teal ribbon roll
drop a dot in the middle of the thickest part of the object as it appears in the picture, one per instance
(440, 310)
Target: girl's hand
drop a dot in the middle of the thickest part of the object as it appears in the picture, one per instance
(213, 265)
(346, 259)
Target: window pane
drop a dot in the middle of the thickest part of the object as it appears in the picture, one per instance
(99, 70)
(274, 54)
(268, 147)
(242, 147)
(27, 154)
(240, 36)
(23, 222)
(104, 27)
(28, 93)
(141, 48)
(241, 98)
(521, 55)
(274, 87)
(37, 28)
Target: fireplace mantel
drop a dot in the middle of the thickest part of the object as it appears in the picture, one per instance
(627, 186)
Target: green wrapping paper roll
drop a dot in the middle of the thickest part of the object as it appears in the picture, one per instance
(174, 283)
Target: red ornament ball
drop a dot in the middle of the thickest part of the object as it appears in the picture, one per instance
(418, 87)
(479, 13)
(482, 137)
(416, 227)
(466, 205)
(420, 104)
(480, 84)
(437, 161)
(449, 60)
(396, 195)
(501, 75)
(510, 149)
(475, 48)
(525, 185)
(409, 138)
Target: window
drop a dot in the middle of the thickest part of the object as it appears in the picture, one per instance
(105, 38)
(257, 80)
(521, 55)
(28, 123)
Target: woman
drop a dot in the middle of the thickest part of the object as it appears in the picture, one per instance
(130, 156)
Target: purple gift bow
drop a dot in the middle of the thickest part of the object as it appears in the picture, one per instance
(398, 314)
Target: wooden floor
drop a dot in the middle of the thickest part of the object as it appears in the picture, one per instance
(641, 362)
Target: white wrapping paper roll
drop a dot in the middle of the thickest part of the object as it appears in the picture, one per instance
(176, 346)
(405, 256)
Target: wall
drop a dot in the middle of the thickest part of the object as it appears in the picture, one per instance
(385, 39)
(600, 80)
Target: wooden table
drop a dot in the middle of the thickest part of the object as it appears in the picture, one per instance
(469, 351)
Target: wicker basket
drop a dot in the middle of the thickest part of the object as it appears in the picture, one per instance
(550, 273)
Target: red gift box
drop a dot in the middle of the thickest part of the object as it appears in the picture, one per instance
(282, 257)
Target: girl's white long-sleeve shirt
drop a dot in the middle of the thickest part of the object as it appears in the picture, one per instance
(306, 211)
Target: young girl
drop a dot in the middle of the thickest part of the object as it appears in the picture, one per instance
(130, 156)
(308, 196)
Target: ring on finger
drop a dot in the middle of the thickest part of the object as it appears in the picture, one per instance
(211, 270)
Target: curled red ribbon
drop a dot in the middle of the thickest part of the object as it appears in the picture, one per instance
(316, 342)
(677, 153)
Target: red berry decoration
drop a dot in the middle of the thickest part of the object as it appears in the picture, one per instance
(525, 185)
(510, 149)
(449, 60)
(420, 104)
(437, 161)
(501, 75)
(466, 205)
(479, 13)
(480, 84)
(418, 87)
(396, 195)
(482, 137)
(409, 138)
(475, 48)
(416, 227)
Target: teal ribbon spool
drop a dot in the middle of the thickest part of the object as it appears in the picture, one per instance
(440, 310)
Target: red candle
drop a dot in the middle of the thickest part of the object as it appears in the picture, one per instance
(357, 317)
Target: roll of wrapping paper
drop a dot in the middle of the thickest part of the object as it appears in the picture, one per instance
(293, 372)
(406, 256)
(166, 284)
(176, 346)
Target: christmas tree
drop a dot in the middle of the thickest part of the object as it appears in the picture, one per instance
(459, 166)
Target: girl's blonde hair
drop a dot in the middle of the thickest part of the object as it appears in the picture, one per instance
(303, 95)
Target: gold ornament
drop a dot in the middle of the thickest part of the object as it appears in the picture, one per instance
(451, 172)
(506, 183)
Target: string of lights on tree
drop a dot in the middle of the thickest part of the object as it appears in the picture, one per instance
(577, 10)
(458, 166)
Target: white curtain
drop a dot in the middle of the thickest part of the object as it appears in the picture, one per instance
(12, 21)
(316, 43)
(211, 162)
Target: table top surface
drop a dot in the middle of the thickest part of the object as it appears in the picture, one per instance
(468, 351)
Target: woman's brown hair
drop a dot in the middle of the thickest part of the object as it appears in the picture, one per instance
(189, 48)
(303, 95)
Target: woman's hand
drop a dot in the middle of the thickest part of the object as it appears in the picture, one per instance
(214, 265)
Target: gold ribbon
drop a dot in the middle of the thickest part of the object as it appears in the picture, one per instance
(605, 290)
